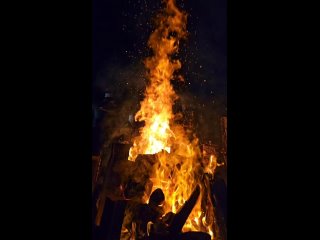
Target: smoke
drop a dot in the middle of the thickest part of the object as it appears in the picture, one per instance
(125, 84)
(204, 114)
(120, 78)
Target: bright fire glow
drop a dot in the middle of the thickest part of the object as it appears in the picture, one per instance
(175, 173)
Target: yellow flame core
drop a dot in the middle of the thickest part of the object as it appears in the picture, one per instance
(175, 172)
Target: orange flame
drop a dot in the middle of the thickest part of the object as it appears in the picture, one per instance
(175, 172)
(156, 108)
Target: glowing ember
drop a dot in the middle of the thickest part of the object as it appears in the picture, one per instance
(175, 173)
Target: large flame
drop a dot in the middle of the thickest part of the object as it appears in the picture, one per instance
(156, 108)
(175, 173)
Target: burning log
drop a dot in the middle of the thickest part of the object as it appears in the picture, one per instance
(146, 213)
(149, 221)
(181, 217)
(170, 226)
(157, 197)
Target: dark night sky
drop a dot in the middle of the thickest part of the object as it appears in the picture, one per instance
(121, 29)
